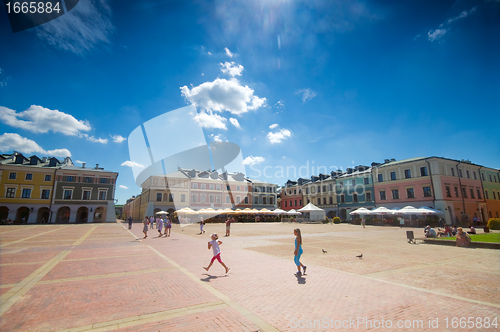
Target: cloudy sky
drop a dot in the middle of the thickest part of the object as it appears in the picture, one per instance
(296, 84)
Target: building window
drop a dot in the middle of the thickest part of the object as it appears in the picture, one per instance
(318, 201)
(342, 199)
(11, 193)
(407, 174)
(423, 171)
(319, 189)
(286, 203)
(479, 194)
(395, 194)
(45, 194)
(203, 186)
(69, 179)
(195, 198)
(211, 187)
(353, 183)
(12, 176)
(482, 175)
(218, 187)
(86, 195)
(264, 200)
(366, 181)
(295, 202)
(203, 198)
(29, 176)
(472, 193)
(48, 177)
(195, 185)
(103, 180)
(475, 177)
(468, 175)
(324, 189)
(410, 193)
(393, 176)
(238, 188)
(158, 197)
(324, 200)
(494, 196)
(331, 200)
(456, 192)
(26, 193)
(490, 178)
(102, 195)
(246, 200)
(464, 192)
(183, 197)
(88, 179)
(256, 200)
(68, 194)
(341, 184)
(307, 191)
(228, 199)
(368, 197)
(460, 173)
(427, 191)
(486, 194)
(452, 172)
(170, 197)
(382, 195)
(448, 191)
(271, 200)
(355, 198)
(381, 178)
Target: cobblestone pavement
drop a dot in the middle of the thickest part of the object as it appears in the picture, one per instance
(102, 277)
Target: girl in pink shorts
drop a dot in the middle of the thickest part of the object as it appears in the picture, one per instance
(214, 244)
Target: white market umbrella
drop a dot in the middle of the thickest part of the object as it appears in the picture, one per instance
(279, 211)
(380, 210)
(161, 212)
(292, 211)
(361, 211)
(428, 210)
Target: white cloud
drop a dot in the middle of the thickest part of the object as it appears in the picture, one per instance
(118, 138)
(218, 138)
(253, 160)
(273, 126)
(279, 136)
(436, 34)
(280, 104)
(211, 120)
(15, 142)
(223, 95)
(305, 94)
(79, 162)
(129, 163)
(235, 122)
(81, 29)
(122, 186)
(228, 52)
(231, 68)
(95, 140)
(38, 119)
(442, 30)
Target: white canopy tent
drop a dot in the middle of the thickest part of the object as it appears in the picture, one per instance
(380, 210)
(315, 213)
(361, 211)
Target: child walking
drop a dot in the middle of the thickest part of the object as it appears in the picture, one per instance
(298, 251)
(214, 244)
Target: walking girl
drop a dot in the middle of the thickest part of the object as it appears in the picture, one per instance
(145, 228)
(159, 225)
(298, 251)
(214, 244)
(168, 227)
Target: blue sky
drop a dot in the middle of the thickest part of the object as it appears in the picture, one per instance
(293, 83)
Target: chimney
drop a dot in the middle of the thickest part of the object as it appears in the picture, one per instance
(44, 160)
(83, 165)
(387, 161)
(393, 159)
(96, 166)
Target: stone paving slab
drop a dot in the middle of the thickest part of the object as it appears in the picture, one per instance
(105, 278)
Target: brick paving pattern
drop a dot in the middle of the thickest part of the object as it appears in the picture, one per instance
(101, 277)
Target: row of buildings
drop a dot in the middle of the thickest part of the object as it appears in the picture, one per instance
(200, 190)
(47, 190)
(459, 188)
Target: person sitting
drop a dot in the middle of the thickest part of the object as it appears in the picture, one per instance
(472, 230)
(463, 239)
(444, 232)
(454, 231)
(429, 232)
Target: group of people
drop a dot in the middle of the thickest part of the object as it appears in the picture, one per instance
(161, 223)
(463, 239)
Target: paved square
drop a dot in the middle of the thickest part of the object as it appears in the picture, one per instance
(102, 277)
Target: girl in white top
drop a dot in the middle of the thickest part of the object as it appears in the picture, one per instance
(214, 244)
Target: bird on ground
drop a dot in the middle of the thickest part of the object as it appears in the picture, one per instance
(360, 256)
(323, 250)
